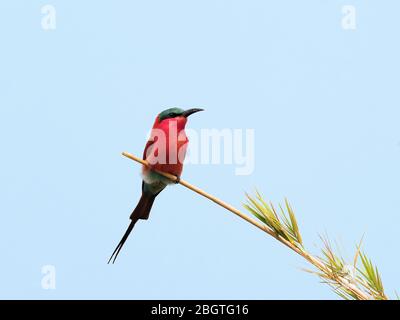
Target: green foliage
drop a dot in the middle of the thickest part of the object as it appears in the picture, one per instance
(351, 281)
(371, 279)
(283, 222)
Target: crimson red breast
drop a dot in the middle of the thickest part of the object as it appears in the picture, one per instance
(165, 151)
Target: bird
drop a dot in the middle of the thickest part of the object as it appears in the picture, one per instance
(165, 151)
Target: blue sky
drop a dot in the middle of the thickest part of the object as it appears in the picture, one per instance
(323, 101)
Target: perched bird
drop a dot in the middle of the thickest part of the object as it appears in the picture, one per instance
(165, 151)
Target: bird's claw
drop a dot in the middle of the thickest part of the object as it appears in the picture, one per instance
(178, 180)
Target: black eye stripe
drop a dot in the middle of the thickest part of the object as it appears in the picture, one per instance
(169, 114)
(173, 115)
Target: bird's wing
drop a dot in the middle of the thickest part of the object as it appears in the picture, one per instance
(146, 149)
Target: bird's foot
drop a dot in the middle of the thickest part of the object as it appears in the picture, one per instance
(178, 180)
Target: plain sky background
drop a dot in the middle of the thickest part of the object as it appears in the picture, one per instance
(324, 103)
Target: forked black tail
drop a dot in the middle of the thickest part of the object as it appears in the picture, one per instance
(122, 242)
(141, 212)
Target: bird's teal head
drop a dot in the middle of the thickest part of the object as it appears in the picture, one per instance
(177, 112)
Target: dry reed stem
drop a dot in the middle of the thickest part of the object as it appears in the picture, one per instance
(311, 259)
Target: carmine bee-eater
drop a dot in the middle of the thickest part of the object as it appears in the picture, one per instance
(165, 151)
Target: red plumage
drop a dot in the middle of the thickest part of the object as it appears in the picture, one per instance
(167, 146)
(165, 151)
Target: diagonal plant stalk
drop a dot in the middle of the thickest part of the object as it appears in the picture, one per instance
(364, 284)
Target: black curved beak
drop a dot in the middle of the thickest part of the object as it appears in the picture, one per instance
(189, 112)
